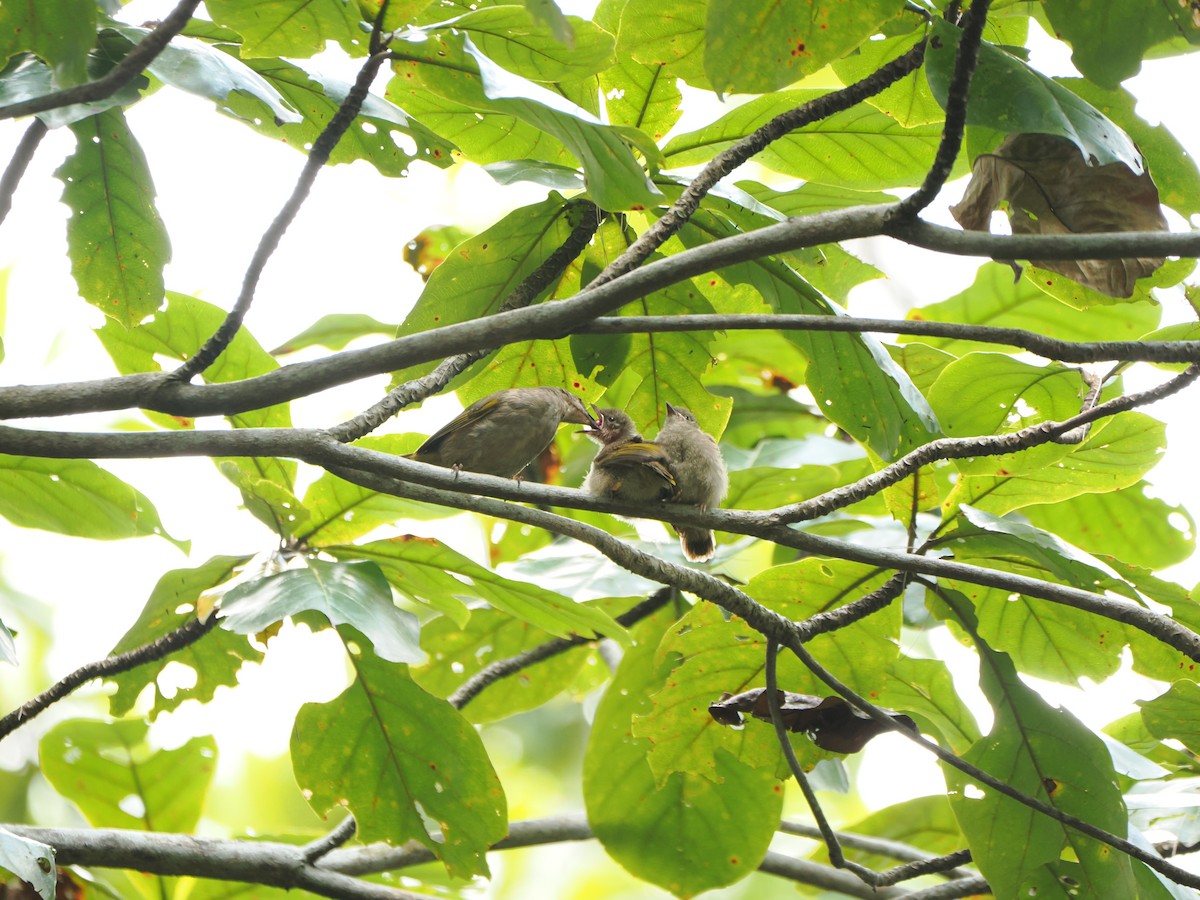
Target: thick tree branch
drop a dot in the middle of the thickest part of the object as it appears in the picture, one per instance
(253, 862)
(139, 56)
(181, 637)
(155, 391)
(411, 480)
(1047, 347)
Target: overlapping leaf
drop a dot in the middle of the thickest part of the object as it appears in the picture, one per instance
(297, 28)
(417, 770)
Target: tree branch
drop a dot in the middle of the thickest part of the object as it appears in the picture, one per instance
(181, 637)
(19, 163)
(882, 847)
(139, 56)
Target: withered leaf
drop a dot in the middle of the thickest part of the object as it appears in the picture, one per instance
(831, 722)
(1051, 189)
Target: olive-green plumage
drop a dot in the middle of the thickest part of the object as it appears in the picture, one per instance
(700, 477)
(503, 432)
(627, 467)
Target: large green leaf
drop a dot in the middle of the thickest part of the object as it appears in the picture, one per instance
(668, 33)
(996, 299)
(1111, 38)
(297, 28)
(925, 689)
(117, 243)
(1048, 754)
(514, 39)
(1010, 97)
(693, 833)
(31, 79)
(759, 46)
(909, 101)
(482, 271)
(859, 148)
(118, 781)
(59, 32)
(346, 593)
(405, 763)
(451, 66)
(1175, 714)
(382, 134)
(215, 659)
(334, 332)
(1126, 523)
(430, 572)
(75, 497)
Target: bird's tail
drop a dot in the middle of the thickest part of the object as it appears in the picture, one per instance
(698, 544)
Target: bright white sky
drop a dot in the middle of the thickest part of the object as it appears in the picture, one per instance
(219, 185)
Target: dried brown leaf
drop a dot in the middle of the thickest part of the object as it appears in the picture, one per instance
(1051, 189)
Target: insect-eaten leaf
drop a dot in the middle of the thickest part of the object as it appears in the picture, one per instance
(1051, 188)
(831, 722)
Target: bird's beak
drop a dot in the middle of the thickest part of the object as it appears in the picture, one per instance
(671, 410)
(594, 425)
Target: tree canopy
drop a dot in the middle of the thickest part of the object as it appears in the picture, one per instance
(977, 468)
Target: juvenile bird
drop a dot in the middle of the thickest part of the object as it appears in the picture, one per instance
(700, 477)
(627, 467)
(503, 432)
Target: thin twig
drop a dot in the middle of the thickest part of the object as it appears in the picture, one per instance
(185, 634)
(342, 832)
(503, 668)
(419, 388)
(139, 56)
(317, 157)
(19, 163)
(956, 112)
(883, 847)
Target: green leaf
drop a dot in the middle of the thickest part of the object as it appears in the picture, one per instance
(803, 198)
(346, 593)
(59, 32)
(641, 96)
(334, 332)
(109, 771)
(1009, 96)
(1048, 754)
(1110, 39)
(382, 134)
(340, 511)
(215, 659)
(297, 28)
(909, 101)
(692, 834)
(667, 33)
(31, 79)
(117, 243)
(478, 276)
(457, 653)
(547, 13)
(759, 46)
(1126, 523)
(859, 148)
(75, 497)
(30, 860)
(925, 689)
(1174, 715)
(430, 572)
(925, 822)
(514, 39)
(205, 71)
(452, 67)
(416, 769)
(996, 299)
